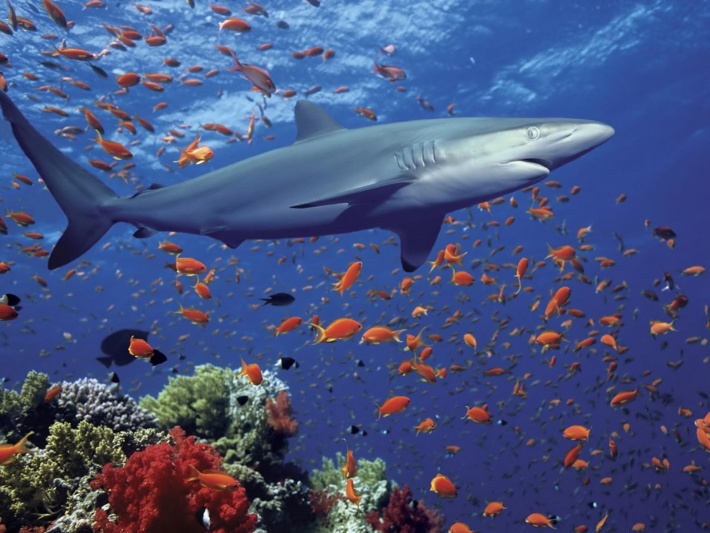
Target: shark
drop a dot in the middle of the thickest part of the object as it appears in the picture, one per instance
(403, 177)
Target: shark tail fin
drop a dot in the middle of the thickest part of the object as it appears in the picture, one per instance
(81, 195)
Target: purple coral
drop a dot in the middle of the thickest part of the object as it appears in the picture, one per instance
(404, 515)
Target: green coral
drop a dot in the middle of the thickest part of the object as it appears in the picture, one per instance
(205, 405)
(40, 486)
(199, 404)
(26, 410)
(370, 483)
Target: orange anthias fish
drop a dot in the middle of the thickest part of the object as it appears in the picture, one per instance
(378, 334)
(258, 76)
(195, 154)
(140, 349)
(349, 278)
(289, 324)
(349, 469)
(252, 372)
(540, 520)
(113, 148)
(426, 426)
(9, 451)
(443, 487)
(213, 479)
(393, 405)
(352, 495)
(340, 329)
(189, 266)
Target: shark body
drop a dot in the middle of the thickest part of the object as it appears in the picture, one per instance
(404, 177)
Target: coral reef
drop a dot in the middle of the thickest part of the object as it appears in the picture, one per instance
(404, 515)
(25, 411)
(280, 415)
(342, 516)
(102, 405)
(151, 492)
(52, 482)
(199, 404)
(216, 405)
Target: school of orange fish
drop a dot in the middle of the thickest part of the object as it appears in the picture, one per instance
(452, 335)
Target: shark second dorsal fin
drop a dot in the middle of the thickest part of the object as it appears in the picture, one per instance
(312, 121)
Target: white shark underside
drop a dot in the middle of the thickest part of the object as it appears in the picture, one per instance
(402, 177)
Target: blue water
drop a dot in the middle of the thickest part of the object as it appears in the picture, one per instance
(639, 66)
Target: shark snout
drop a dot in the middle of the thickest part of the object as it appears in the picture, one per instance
(589, 135)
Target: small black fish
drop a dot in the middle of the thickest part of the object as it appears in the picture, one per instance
(670, 284)
(287, 362)
(354, 430)
(99, 71)
(242, 400)
(9, 299)
(280, 299)
(282, 24)
(360, 363)
(113, 377)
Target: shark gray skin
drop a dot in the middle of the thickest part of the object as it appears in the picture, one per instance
(403, 177)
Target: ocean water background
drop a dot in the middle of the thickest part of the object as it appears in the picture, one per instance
(639, 66)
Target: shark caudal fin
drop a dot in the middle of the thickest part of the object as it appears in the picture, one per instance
(80, 195)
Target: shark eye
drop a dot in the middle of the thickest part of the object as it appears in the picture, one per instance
(532, 133)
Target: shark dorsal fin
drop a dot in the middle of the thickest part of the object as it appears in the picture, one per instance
(312, 121)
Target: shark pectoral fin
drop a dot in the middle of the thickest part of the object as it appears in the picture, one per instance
(312, 121)
(417, 234)
(375, 193)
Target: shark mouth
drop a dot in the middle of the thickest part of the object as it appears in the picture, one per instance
(538, 162)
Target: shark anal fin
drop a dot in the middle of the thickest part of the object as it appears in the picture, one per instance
(312, 121)
(375, 193)
(417, 234)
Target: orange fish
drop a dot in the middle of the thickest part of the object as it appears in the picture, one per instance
(520, 271)
(426, 426)
(378, 334)
(350, 276)
(480, 415)
(202, 290)
(624, 397)
(577, 433)
(213, 479)
(258, 76)
(288, 324)
(112, 148)
(352, 495)
(55, 13)
(493, 509)
(393, 405)
(7, 313)
(340, 329)
(252, 372)
(195, 154)
(443, 487)
(234, 24)
(194, 315)
(349, 468)
(189, 266)
(9, 451)
(140, 349)
(52, 393)
(540, 520)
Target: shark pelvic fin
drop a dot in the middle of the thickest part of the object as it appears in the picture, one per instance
(373, 194)
(312, 121)
(417, 235)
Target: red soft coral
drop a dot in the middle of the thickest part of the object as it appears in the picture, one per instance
(279, 415)
(403, 516)
(150, 493)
